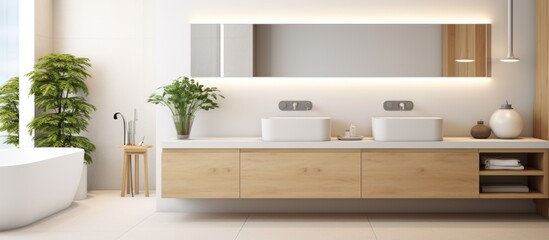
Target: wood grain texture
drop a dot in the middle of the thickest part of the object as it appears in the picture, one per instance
(526, 172)
(207, 173)
(472, 41)
(420, 174)
(540, 161)
(300, 174)
(530, 195)
(536, 172)
(541, 103)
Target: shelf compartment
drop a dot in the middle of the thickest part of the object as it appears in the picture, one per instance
(530, 195)
(530, 158)
(528, 171)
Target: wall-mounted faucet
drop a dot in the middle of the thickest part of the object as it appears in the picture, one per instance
(401, 106)
(398, 105)
(291, 105)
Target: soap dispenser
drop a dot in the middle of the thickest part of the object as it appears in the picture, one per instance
(506, 122)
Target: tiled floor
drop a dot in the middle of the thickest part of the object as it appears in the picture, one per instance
(104, 215)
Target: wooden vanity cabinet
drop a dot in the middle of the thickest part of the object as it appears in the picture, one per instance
(534, 175)
(300, 173)
(420, 174)
(196, 173)
(345, 173)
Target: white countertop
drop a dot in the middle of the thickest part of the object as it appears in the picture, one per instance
(447, 143)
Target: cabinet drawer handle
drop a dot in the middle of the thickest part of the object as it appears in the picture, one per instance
(310, 170)
(215, 170)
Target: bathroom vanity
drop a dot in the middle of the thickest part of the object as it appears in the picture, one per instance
(248, 168)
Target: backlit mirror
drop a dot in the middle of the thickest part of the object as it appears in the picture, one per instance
(340, 50)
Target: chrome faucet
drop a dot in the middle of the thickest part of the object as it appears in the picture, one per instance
(123, 122)
(401, 106)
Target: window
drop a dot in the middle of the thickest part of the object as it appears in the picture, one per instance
(9, 45)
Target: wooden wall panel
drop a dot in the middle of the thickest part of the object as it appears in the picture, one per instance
(466, 41)
(541, 105)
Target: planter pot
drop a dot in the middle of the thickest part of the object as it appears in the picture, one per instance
(82, 191)
(183, 125)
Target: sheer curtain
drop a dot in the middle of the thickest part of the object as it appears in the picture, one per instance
(9, 45)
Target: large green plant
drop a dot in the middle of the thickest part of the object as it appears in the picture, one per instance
(9, 110)
(184, 97)
(58, 83)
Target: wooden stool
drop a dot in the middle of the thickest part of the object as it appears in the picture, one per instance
(130, 150)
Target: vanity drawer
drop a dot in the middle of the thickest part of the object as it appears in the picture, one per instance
(300, 174)
(420, 174)
(205, 173)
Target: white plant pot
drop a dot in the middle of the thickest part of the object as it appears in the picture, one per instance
(82, 191)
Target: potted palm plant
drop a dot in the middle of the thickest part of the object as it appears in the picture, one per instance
(184, 97)
(9, 110)
(58, 83)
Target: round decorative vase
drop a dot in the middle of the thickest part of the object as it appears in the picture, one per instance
(183, 125)
(506, 122)
(481, 131)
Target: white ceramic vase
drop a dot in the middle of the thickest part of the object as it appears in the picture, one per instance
(506, 122)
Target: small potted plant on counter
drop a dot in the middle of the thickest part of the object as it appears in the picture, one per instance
(184, 97)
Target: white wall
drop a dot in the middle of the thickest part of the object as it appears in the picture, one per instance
(118, 37)
(459, 101)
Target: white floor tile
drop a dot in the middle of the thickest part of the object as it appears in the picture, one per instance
(105, 216)
(188, 226)
(307, 226)
(459, 226)
(61, 235)
(100, 212)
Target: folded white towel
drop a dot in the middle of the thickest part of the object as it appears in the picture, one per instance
(500, 161)
(504, 188)
(496, 167)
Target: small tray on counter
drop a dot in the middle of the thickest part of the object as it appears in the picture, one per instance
(353, 138)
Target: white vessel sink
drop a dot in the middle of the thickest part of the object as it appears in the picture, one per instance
(407, 129)
(296, 129)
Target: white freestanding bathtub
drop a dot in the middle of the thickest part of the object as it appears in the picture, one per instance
(37, 182)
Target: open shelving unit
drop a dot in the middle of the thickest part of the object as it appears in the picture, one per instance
(534, 175)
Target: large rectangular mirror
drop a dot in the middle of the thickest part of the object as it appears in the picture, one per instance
(340, 50)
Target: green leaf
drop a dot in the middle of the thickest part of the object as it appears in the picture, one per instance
(185, 96)
(58, 82)
(9, 110)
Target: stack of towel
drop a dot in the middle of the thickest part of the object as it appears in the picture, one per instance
(493, 163)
